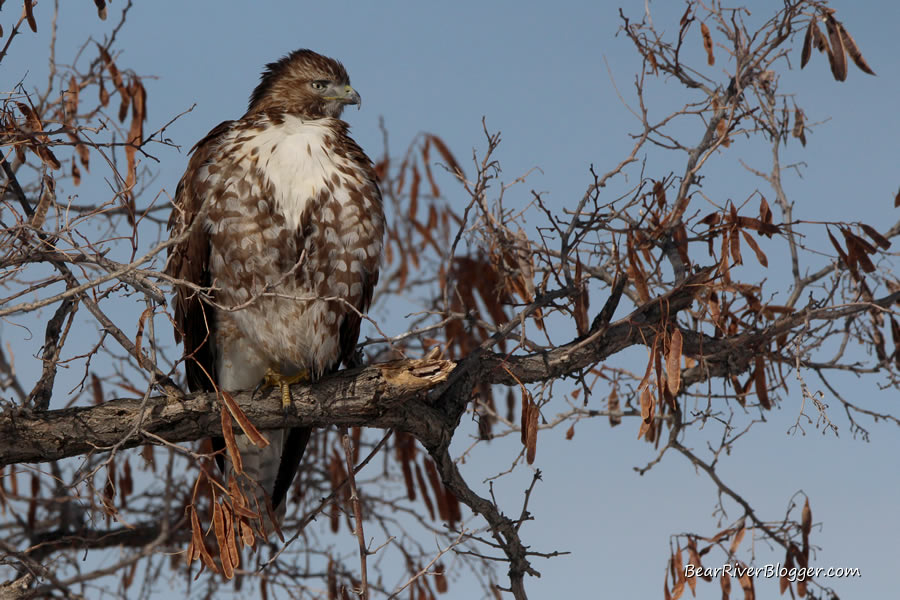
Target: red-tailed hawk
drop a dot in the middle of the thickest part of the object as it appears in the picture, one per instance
(284, 225)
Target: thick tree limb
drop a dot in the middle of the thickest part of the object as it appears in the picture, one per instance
(374, 395)
(385, 395)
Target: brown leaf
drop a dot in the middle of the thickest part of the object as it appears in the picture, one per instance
(853, 50)
(34, 126)
(424, 490)
(76, 173)
(114, 73)
(446, 155)
(532, 431)
(126, 483)
(426, 162)
(246, 426)
(879, 239)
(695, 558)
(765, 213)
(453, 507)
(581, 301)
(760, 255)
(355, 438)
(148, 455)
(684, 18)
(128, 576)
(83, 155)
(679, 577)
(335, 517)
(722, 130)
(707, 44)
(331, 580)
(414, 192)
(230, 541)
(819, 40)
(47, 199)
(673, 363)
(799, 130)
(70, 103)
(237, 462)
(97, 389)
(895, 337)
(381, 170)
(725, 582)
(138, 100)
(651, 58)
(32, 503)
(239, 503)
(679, 238)
(714, 307)
(523, 420)
(735, 240)
(760, 380)
(219, 529)
(101, 9)
(738, 536)
(139, 337)
(196, 537)
(843, 256)
(135, 139)
(570, 432)
(679, 587)
(646, 411)
(612, 404)
(123, 109)
(858, 250)
(401, 173)
(29, 15)
(103, 94)
(783, 582)
(897, 199)
(47, 157)
(406, 469)
(658, 371)
(806, 520)
(659, 192)
(807, 43)
(440, 579)
(109, 490)
(636, 271)
(712, 219)
(837, 56)
(747, 586)
(864, 246)
(435, 481)
(425, 232)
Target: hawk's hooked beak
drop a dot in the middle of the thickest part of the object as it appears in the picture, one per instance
(345, 95)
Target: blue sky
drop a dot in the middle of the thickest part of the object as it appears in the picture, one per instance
(543, 75)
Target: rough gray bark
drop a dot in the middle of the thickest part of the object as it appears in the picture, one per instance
(391, 395)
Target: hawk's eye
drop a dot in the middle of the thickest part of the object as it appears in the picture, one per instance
(319, 84)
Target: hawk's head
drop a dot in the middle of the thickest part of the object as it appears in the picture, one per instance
(306, 83)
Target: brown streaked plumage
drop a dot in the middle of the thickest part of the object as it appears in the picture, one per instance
(284, 224)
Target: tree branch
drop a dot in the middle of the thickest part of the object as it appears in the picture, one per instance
(376, 396)
(383, 395)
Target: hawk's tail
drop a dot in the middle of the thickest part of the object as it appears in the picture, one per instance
(270, 471)
(291, 455)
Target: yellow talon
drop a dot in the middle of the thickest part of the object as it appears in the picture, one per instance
(274, 378)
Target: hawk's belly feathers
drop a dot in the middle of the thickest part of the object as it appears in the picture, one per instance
(294, 242)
